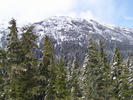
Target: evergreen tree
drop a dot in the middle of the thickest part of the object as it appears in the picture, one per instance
(2, 73)
(62, 91)
(13, 44)
(76, 91)
(50, 69)
(28, 40)
(14, 53)
(47, 73)
(22, 75)
(92, 71)
(104, 75)
(125, 92)
(116, 72)
(130, 66)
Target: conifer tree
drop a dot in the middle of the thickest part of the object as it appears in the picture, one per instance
(62, 91)
(14, 58)
(28, 40)
(125, 92)
(1, 85)
(2, 68)
(47, 72)
(22, 81)
(76, 91)
(50, 69)
(92, 72)
(130, 66)
(13, 44)
(116, 72)
(105, 83)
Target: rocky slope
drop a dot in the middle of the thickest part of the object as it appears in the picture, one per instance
(70, 36)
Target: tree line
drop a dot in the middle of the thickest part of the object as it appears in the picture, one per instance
(23, 77)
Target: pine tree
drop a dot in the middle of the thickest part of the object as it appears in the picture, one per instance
(28, 40)
(116, 72)
(92, 71)
(13, 44)
(125, 92)
(1, 85)
(14, 58)
(76, 91)
(62, 91)
(22, 75)
(47, 73)
(104, 75)
(2, 72)
(50, 69)
(130, 66)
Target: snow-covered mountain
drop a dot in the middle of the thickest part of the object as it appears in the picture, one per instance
(70, 36)
(3, 32)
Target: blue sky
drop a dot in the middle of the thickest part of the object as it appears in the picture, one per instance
(117, 12)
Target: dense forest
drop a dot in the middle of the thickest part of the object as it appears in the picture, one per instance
(24, 77)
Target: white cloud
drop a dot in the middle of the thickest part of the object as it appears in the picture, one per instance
(102, 9)
(108, 11)
(86, 15)
(33, 10)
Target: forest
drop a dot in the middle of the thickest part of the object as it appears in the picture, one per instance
(24, 77)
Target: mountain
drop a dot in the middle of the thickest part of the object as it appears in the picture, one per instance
(70, 36)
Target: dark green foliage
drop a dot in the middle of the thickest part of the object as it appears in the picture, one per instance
(104, 75)
(116, 71)
(47, 73)
(76, 91)
(24, 77)
(2, 60)
(27, 72)
(28, 39)
(14, 58)
(92, 71)
(130, 74)
(61, 87)
(14, 49)
(50, 88)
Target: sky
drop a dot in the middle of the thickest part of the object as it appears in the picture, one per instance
(116, 12)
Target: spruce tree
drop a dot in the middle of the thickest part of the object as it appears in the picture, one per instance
(22, 81)
(2, 72)
(13, 44)
(76, 91)
(92, 71)
(14, 58)
(62, 91)
(116, 71)
(47, 72)
(50, 69)
(104, 75)
(130, 66)
(125, 92)
(28, 40)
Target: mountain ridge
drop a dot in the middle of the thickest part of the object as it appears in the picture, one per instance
(70, 36)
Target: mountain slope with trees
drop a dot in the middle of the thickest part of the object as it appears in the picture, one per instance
(24, 77)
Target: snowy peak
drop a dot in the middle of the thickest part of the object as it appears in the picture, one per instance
(67, 28)
(70, 36)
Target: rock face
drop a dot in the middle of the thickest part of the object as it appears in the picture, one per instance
(70, 36)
